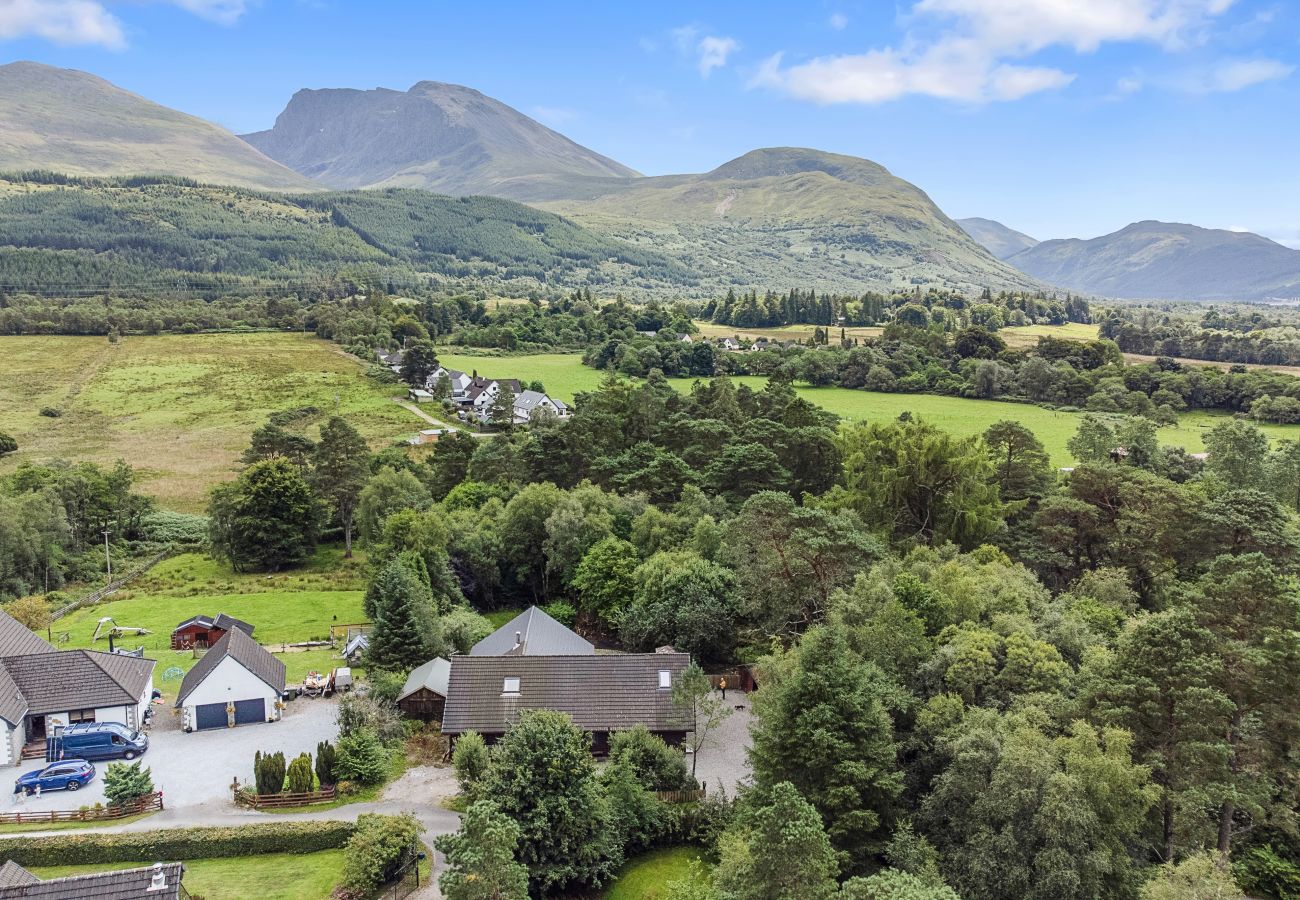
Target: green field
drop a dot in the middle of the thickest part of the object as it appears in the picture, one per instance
(563, 374)
(288, 607)
(646, 877)
(180, 408)
(271, 876)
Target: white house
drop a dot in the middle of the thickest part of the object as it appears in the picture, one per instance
(527, 403)
(237, 682)
(460, 383)
(43, 689)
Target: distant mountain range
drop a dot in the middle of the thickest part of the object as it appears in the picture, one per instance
(78, 124)
(996, 238)
(1167, 261)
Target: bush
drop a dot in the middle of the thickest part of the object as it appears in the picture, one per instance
(51, 412)
(562, 612)
(123, 783)
(1263, 871)
(461, 628)
(358, 712)
(165, 527)
(362, 758)
(300, 779)
(386, 686)
(269, 772)
(32, 611)
(377, 850)
(178, 843)
(657, 766)
(470, 760)
(326, 760)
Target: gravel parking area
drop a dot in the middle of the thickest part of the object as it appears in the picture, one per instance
(197, 769)
(723, 763)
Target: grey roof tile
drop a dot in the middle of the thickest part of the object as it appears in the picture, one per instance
(432, 675)
(16, 639)
(123, 884)
(538, 635)
(246, 651)
(61, 680)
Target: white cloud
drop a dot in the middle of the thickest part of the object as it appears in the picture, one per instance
(975, 50)
(61, 21)
(1234, 75)
(555, 115)
(713, 53)
(89, 22)
(838, 21)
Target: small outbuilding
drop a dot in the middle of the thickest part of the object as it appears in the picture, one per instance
(424, 696)
(205, 631)
(237, 682)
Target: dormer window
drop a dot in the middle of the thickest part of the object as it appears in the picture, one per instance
(510, 686)
(665, 679)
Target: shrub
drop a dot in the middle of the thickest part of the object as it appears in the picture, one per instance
(123, 783)
(269, 772)
(178, 843)
(461, 628)
(470, 760)
(326, 760)
(51, 412)
(300, 779)
(386, 686)
(657, 766)
(1263, 871)
(358, 712)
(33, 611)
(377, 849)
(7, 443)
(166, 527)
(562, 612)
(362, 758)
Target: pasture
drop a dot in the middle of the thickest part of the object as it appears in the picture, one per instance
(179, 408)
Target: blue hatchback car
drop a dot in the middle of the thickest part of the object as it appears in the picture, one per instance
(66, 774)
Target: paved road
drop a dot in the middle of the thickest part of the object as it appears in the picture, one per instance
(441, 424)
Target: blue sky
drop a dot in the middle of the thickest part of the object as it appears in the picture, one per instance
(1062, 118)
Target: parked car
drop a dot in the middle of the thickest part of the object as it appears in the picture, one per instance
(67, 774)
(97, 740)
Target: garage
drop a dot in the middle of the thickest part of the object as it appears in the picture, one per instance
(210, 715)
(237, 674)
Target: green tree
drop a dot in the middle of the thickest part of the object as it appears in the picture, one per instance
(501, 414)
(1093, 441)
(1023, 468)
(377, 848)
(1198, 877)
(400, 638)
(361, 757)
(272, 441)
(543, 778)
(822, 726)
(480, 857)
(684, 600)
(268, 772)
(604, 578)
(914, 482)
(657, 766)
(522, 533)
(342, 468)
(1237, 451)
(693, 691)
(449, 465)
(419, 361)
(892, 884)
(124, 783)
(300, 777)
(470, 760)
(326, 760)
(741, 470)
(777, 850)
(266, 519)
(388, 491)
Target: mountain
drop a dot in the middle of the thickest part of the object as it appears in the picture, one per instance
(143, 236)
(66, 121)
(1167, 261)
(791, 216)
(440, 137)
(995, 237)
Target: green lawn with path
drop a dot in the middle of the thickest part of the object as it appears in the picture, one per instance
(646, 877)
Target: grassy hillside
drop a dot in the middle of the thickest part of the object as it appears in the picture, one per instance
(130, 232)
(793, 216)
(179, 407)
(62, 120)
(1168, 261)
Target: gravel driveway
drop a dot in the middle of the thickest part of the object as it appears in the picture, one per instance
(197, 769)
(723, 763)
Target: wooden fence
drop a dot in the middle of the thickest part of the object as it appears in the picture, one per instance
(281, 801)
(681, 796)
(95, 596)
(148, 803)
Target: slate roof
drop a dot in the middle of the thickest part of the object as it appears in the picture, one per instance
(16, 639)
(432, 675)
(124, 884)
(60, 680)
(600, 693)
(13, 705)
(245, 651)
(538, 635)
(222, 621)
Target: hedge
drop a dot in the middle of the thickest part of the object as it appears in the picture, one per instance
(177, 844)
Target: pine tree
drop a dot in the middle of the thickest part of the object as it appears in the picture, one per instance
(397, 640)
(481, 861)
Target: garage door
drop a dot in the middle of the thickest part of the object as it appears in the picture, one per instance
(210, 715)
(249, 711)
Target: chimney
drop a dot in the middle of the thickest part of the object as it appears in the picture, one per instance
(519, 638)
(159, 880)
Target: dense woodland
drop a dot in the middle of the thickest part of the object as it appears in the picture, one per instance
(1268, 335)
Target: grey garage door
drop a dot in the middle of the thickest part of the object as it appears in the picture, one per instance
(210, 715)
(249, 711)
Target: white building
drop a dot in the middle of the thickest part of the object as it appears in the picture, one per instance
(237, 682)
(528, 403)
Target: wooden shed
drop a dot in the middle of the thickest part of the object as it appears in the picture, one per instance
(205, 631)
(424, 696)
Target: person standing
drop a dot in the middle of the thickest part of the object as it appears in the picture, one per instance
(722, 683)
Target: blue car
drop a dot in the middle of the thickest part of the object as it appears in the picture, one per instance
(64, 775)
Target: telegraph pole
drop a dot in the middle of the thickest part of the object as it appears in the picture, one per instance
(108, 560)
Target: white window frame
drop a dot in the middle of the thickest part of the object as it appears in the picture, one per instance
(665, 679)
(510, 686)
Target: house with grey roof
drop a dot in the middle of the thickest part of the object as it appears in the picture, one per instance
(602, 693)
(533, 633)
(424, 695)
(237, 682)
(529, 403)
(161, 881)
(43, 689)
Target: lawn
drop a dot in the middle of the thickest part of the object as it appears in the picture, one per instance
(180, 408)
(297, 605)
(562, 374)
(646, 877)
(272, 876)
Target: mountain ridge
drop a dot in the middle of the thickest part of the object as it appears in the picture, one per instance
(1000, 240)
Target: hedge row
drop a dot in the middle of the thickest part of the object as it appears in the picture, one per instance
(180, 844)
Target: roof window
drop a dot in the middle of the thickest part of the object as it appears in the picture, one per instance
(665, 678)
(510, 686)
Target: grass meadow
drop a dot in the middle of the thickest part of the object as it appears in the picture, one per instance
(180, 408)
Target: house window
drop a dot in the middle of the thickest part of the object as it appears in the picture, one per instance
(81, 715)
(665, 678)
(510, 686)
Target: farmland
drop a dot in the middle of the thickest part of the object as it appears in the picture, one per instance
(287, 607)
(180, 408)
